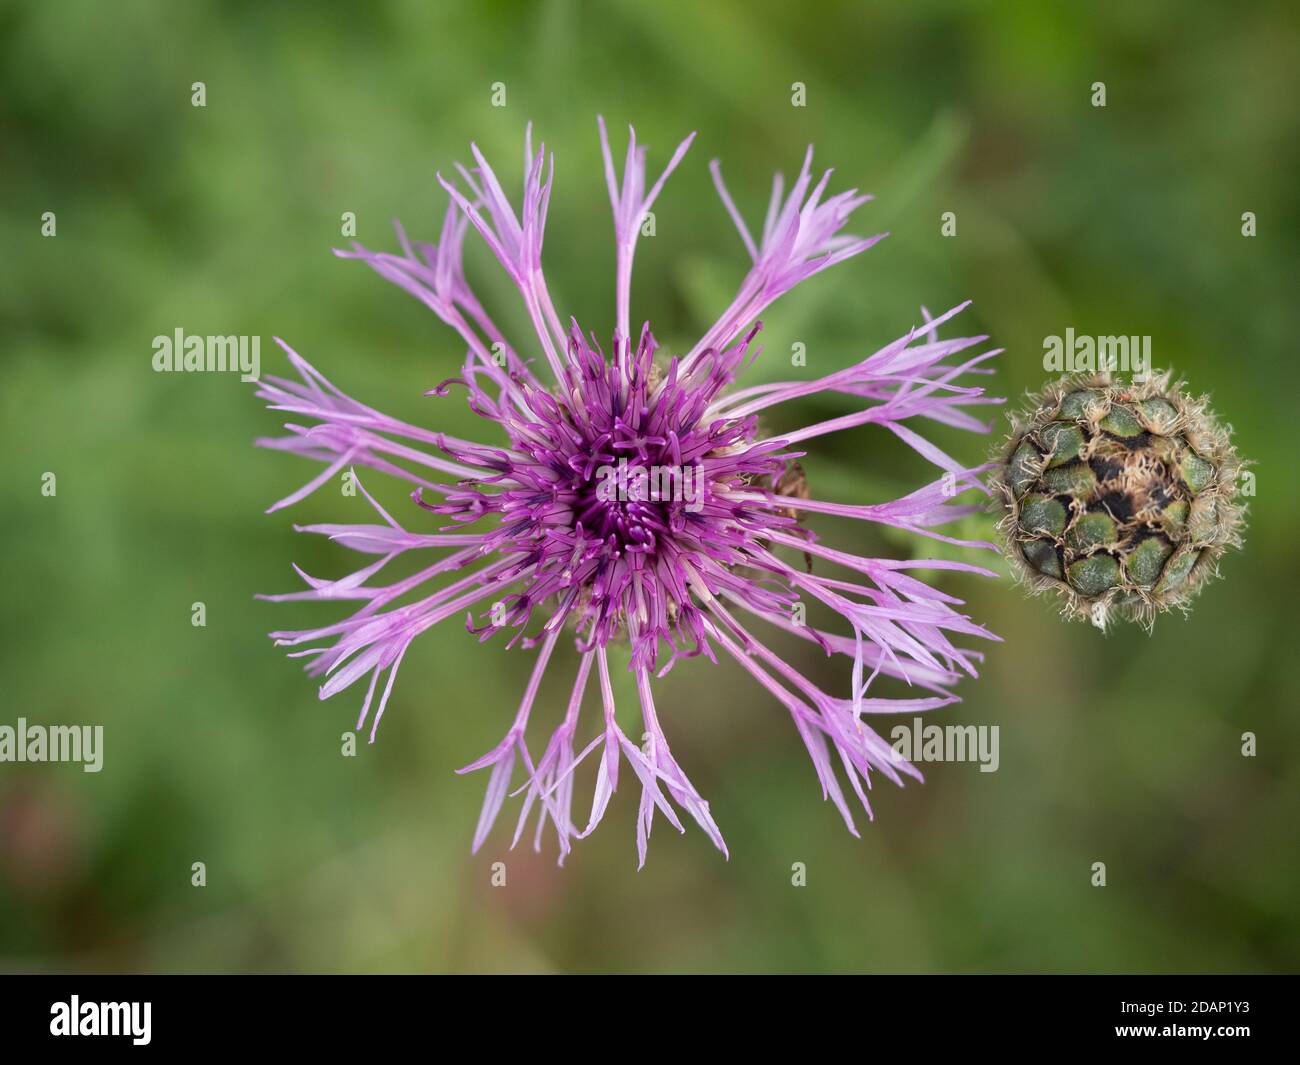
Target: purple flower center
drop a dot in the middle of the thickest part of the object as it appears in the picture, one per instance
(621, 490)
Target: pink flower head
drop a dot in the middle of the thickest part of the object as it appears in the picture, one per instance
(631, 500)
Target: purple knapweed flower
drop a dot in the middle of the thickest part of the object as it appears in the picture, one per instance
(633, 502)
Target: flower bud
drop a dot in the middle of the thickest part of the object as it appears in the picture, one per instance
(1119, 496)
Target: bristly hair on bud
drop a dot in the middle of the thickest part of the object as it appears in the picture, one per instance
(1121, 497)
(532, 541)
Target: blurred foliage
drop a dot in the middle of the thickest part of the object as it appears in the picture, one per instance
(1123, 749)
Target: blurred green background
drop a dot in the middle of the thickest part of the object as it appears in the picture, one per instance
(1124, 220)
